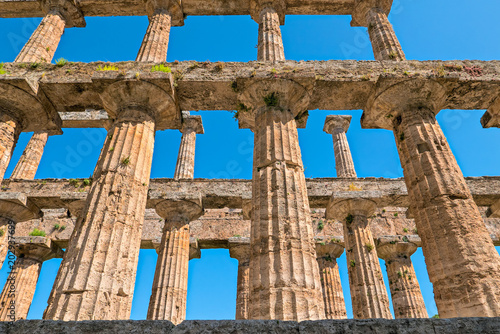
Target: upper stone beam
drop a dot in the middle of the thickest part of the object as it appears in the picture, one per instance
(23, 8)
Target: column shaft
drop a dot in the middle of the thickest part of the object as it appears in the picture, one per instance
(9, 133)
(368, 291)
(168, 300)
(30, 159)
(270, 47)
(19, 289)
(406, 296)
(44, 41)
(96, 278)
(385, 44)
(332, 289)
(185, 159)
(343, 157)
(155, 43)
(462, 261)
(4, 247)
(243, 287)
(284, 274)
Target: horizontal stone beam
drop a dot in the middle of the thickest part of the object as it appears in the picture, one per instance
(86, 119)
(332, 85)
(32, 8)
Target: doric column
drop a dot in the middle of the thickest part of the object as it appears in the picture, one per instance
(462, 262)
(406, 296)
(30, 159)
(168, 298)
(3, 241)
(368, 292)
(373, 14)
(185, 160)
(328, 253)
(337, 126)
(269, 14)
(10, 128)
(281, 230)
(20, 287)
(44, 41)
(162, 15)
(97, 276)
(240, 250)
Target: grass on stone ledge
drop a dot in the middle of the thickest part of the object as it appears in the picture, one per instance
(161, 68)
(37, 233)
(107, 68)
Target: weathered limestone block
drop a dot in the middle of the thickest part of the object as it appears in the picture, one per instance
(368, 291)
(373, 14)
(328, 253)
(20, 287)
(462, 262)
(406, 296)
(168, 299)
(185, 160)
(45, 39)
(281, 231)
(240, 250)
(30, 159)
(269, 15)
(97, 276)
(337, 126)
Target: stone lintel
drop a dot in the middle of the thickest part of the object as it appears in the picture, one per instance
(333, 122)
(69, 9)
(89, 118)
(192, 122)
(18, 207)
(361, 8)
(36, 247)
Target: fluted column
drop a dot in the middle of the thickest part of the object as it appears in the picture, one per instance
(18, 292)
(241, 252)
(373, 14)
(333, 295)
(96, 278)
(185, 159)
(3, 241)
(337, 126)
(462, 261)
(30, 159)
(281, 232)
(169, 294)
(368, 291)
(406, 296)
(155, 43)
(270, 47)
(10, 129)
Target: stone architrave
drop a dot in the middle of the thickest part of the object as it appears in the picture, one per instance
(30, 159)
(169, 294)
(191, 126)
(20, 287)
(281, 229)
(269, 14)
(45, 39)
(162, 15)
(406, 296)
(368, 291)
(328, 253)
(97, 276)
(337, 126)
(462, 262)
(240, 250)
(373, 14)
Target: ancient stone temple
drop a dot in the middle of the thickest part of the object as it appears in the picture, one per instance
(288, 267)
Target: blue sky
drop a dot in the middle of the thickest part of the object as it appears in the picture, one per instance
(426, 29)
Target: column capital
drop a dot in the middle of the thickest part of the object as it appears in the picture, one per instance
(281, 94)
(173, 7)
(333, 122)
(18, 208)
(192, 123)
(390, 99)
(37, 248)
(180, 207)
(389, 248)
(68, 9)
(257, 6)
(330, 248)
(491, 118)
(342, 205)
(362, 7)
(239, 248)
